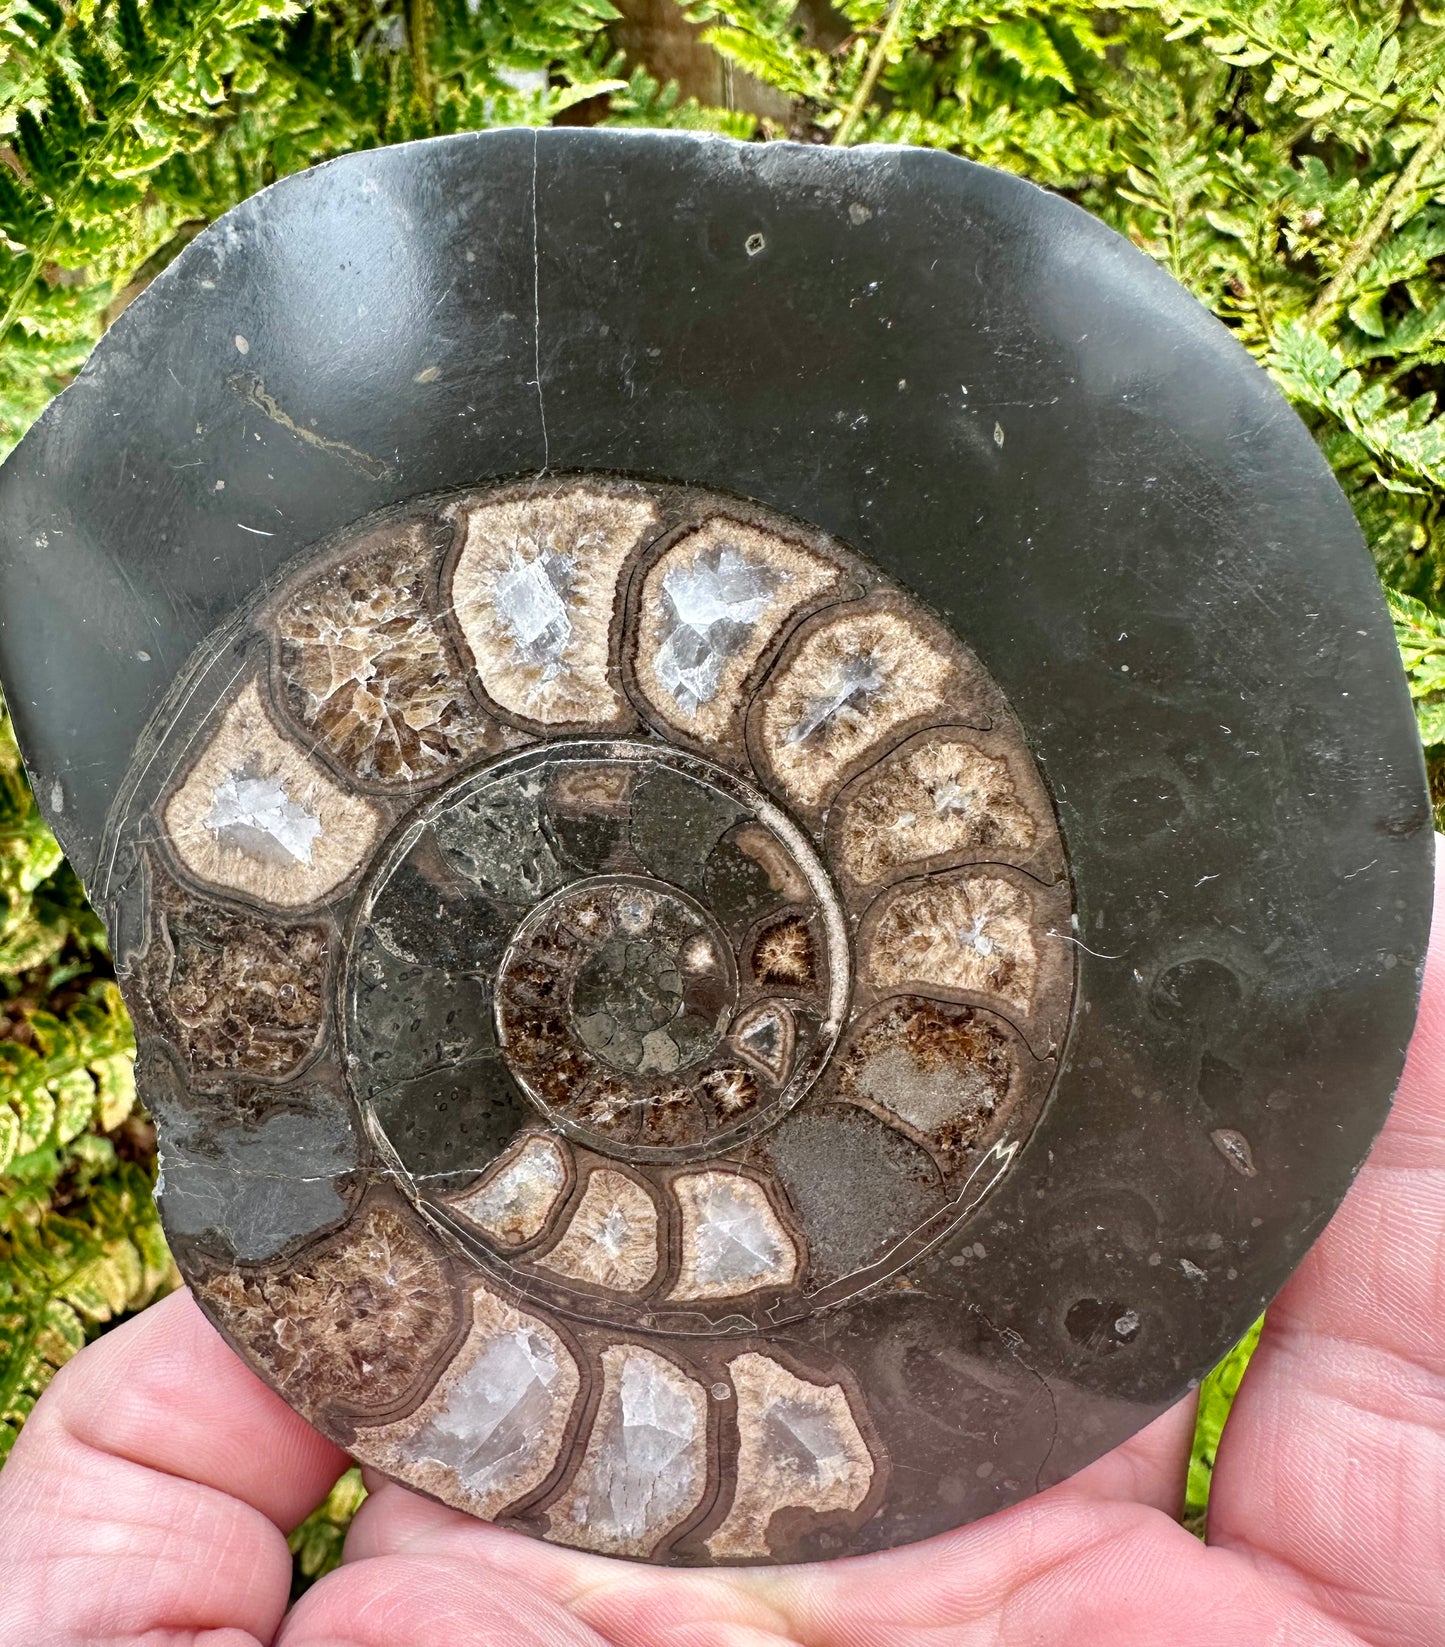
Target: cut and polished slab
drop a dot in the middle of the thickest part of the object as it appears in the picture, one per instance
(723, 887)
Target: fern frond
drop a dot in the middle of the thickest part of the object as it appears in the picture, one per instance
(1421, 637)
(67, 1273)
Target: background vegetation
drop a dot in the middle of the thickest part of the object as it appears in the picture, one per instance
(1282, 158)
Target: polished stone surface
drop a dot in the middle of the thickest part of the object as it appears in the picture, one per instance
(721, 871)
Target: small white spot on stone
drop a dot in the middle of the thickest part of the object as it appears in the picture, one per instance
(57, 797)
(998, 434)
(242, 346)
(635, 909)
(699, 955)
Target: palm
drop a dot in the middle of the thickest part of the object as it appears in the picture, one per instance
(147, 1497)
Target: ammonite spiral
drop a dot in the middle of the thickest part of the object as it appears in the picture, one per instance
(546, 648)
(649, 927)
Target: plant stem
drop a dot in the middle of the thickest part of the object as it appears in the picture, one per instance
(1363, 246)
(416, 34)
(876, 59)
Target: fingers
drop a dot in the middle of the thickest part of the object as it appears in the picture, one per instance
(150, 1490)
(1333, 1462)
(425, 1600)
(1060, 1568)
(1150, 1468)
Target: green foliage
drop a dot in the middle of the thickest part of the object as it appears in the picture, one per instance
(317, 1543)
(1216, 1397)
(79, 1239)
(1421, 634)
(66, 1272)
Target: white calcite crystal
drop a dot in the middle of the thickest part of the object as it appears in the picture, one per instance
(711, 606)
(843, 695)
(514, 1201)
(611, 1239)
(531, 601)
(859, 673)
(733, 1242)
(534, 592)
(257, 815)
(799, 1448)
(970, 932)
(491, 1431)
(645, 1468)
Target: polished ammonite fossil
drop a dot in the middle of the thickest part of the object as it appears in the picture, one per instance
(649, 928)
(757, 807)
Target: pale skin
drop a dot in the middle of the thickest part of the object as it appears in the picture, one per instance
(149, 1496)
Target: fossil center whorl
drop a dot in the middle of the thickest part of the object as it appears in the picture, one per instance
(671, 959)
(648, 981)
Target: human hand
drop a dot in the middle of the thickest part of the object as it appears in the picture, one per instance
(148, 1498)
